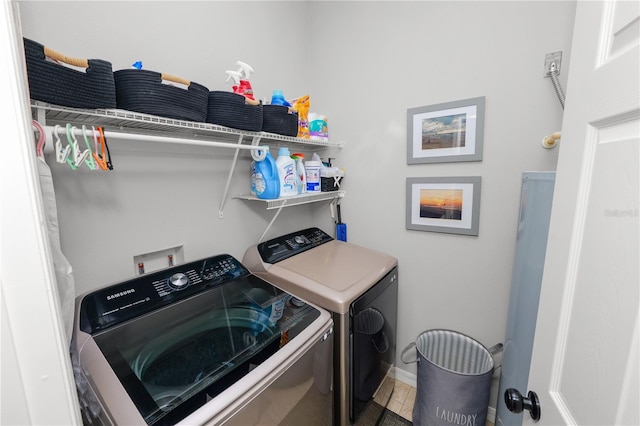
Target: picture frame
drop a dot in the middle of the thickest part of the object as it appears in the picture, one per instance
(444, 204)
(446, 132)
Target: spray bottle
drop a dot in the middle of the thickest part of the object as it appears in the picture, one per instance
(301, 174)
(235, 76)
(242, 86)
(245, 71)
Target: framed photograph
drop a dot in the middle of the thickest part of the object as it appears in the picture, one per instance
(445, 133)
(444, 204)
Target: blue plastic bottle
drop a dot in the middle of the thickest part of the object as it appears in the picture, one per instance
(267, 182)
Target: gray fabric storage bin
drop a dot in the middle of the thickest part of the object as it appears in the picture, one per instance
(54, 83)
(453, 380)
(145, 91)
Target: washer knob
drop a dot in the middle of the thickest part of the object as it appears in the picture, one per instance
(300, 239)
(178, 281)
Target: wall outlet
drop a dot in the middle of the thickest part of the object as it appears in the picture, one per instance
(550, 58)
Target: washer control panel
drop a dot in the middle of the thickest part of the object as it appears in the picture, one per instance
(117, 303)
(281, 248)
(178, 281)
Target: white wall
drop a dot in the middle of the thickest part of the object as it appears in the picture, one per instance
(364, 64)
(374, 60)
(162, 197)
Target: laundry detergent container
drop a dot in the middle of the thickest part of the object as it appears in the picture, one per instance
(454, 378)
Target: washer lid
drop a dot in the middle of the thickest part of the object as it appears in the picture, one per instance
(331, 275)
(163, 354)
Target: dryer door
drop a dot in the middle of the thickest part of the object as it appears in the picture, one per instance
(374, 318)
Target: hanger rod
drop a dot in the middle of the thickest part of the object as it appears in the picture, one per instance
(153, 138)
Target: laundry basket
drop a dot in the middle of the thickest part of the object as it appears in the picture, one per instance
(454, 379)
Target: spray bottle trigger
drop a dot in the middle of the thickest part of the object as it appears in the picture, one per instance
(245, 70)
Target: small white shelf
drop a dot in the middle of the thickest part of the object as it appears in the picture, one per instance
(311, 197)
(280, 203)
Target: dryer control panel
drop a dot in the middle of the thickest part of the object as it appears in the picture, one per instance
(281, 248)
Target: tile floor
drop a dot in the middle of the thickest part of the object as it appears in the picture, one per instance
(402, 399)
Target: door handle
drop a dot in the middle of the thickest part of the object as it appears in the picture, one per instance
(516, 403)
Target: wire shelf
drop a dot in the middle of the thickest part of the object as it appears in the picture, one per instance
(295, 200)
(143, 123)
(137, 126)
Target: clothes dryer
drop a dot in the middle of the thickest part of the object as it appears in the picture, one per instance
(359, 286)
(204, 342)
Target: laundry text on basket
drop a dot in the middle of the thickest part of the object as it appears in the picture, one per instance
(456, 418)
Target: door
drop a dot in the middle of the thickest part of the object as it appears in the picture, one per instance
(37, 384)
(585, 355)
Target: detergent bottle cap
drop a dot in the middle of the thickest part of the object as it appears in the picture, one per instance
(284, 151)
(277, 98)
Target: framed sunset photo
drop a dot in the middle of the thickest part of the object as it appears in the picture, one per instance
(444, 204)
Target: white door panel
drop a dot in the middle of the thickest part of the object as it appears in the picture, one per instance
(585, 357)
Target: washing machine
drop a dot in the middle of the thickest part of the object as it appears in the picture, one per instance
(206, 342)
(359, 286)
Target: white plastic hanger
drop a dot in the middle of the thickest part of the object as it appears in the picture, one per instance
(62, 154)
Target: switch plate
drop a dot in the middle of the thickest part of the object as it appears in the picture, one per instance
(549, 58)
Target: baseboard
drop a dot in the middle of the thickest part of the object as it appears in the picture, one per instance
(491, 415)
(412, 380)
(405, 377)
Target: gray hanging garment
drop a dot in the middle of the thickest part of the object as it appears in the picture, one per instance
(62, 267)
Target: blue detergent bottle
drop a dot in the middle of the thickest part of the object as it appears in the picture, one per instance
(267, 182)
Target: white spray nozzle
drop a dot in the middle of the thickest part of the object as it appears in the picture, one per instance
(235, 75)
(245, 70)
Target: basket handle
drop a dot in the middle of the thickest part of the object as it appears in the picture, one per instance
(498, 347)
(409, 346)
(385, 343)
(77, 62)
(175, 79)
(254, 102)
